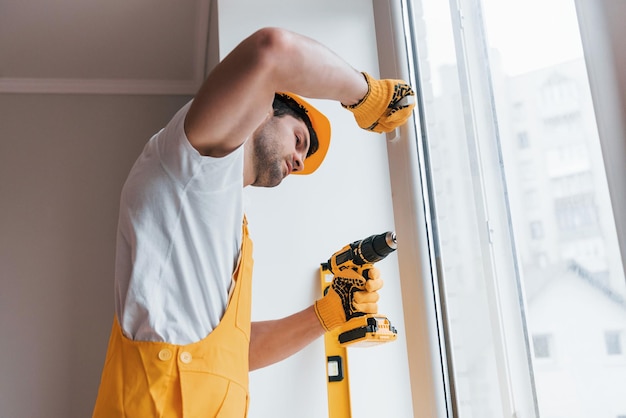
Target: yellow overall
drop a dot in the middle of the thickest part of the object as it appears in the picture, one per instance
(208, 378)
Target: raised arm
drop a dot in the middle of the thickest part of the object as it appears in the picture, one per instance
(237, 95)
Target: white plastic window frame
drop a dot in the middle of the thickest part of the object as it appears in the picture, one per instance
(432, 380)
(601, 32)
(422, 311)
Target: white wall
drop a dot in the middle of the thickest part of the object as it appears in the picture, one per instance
(301, 223)
(579, 379)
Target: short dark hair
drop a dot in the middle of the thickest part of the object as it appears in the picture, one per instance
(285, 105)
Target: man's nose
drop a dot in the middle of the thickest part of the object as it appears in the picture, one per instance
(298, 162)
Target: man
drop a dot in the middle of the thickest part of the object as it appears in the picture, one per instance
(182, 343)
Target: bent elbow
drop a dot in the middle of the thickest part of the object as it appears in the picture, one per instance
(272, 45)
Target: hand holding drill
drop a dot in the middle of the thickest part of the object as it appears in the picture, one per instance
(350, 295)
(353, 291)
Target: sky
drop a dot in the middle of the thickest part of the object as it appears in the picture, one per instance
(528, 34)
(532, 34)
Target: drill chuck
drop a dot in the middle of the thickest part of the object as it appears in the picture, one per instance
(366, 251)
(374, 248)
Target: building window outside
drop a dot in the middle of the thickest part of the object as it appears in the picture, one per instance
(522, 140)
(572, 184)
(613, 342)
(558, 89)
(576, 213)
(542, 346)
(536, 230)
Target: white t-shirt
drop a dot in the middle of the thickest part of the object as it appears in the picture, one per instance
(178, 240)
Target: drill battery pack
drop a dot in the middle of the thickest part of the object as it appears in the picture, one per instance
(367, 330)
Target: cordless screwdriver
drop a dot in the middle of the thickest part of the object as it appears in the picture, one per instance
(364, 329)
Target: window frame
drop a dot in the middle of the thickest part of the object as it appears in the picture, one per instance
(432, 381)
(430, 367)
(423, 313)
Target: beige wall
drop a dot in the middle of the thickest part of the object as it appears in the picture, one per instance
(63, 160)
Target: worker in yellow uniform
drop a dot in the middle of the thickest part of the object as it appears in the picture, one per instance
(182, 343)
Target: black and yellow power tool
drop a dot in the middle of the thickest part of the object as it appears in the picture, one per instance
(363, 329)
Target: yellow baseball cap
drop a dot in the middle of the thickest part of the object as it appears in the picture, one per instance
(321, 126)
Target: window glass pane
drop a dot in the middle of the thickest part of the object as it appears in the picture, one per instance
(517, 152)
(473, 330)
(578, 291)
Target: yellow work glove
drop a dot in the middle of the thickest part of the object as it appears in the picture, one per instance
(387, 105)
(348, 296)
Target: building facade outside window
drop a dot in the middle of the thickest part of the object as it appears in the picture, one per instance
(523, 216)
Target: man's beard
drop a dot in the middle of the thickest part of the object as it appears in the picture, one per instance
(267, 160)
